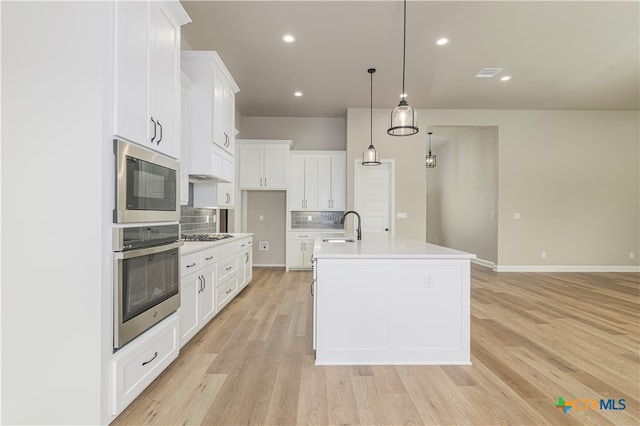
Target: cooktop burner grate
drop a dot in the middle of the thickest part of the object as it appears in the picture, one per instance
(205, 237)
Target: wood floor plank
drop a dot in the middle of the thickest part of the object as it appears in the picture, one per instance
(534, 337)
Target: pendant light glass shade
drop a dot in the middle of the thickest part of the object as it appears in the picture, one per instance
(431, 159)
(370, 157)
(403, 120)
(403, 117)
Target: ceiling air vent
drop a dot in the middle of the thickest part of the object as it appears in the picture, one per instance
(488, 72)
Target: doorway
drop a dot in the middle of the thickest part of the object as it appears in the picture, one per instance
(374, 196)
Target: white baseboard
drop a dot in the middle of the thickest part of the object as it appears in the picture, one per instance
(269, 265)
(566, 268)
(485, 263)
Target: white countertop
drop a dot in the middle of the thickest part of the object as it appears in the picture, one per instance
(193, 246)
(384, 246)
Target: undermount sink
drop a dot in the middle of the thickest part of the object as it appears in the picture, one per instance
(338, 240)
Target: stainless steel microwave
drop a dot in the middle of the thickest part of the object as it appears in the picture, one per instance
(147, 187)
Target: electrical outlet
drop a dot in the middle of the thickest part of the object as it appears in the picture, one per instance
(429, 281)
(516, 216)
(261, 218)
(632, 255)
(543, 254)
(263, 245)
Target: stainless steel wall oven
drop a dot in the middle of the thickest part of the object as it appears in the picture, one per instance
(147, 278)
(147, 187)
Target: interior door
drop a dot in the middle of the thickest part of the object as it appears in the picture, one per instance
(374, 198)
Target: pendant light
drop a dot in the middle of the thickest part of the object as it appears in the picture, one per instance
(370, 157)
(403, 117)
(431, 159)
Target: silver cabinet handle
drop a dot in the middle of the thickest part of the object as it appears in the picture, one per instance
(154, 357)
(312, 285)
(192, 265)
(208, 258)
(228, 269)
(159, 140)
(200, 284)
(260, 181)
(154, 129)
(204, 282)
(247, 258)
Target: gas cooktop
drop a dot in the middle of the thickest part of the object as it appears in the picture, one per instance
(204, 237)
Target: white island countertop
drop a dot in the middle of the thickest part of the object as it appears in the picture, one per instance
(383, 246)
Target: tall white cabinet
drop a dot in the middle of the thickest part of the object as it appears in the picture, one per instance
(147, 73)
(211, 160)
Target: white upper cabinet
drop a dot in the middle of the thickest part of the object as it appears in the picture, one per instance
(147, 73)
(263, 164)
(211, 122)
(318, 181)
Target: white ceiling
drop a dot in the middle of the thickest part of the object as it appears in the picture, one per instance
(570, 55)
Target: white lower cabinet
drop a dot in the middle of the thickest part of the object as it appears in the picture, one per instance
(300, 247)
(137, 364)
(210, 279)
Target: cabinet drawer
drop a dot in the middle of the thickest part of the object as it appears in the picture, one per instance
(209, 257)
(225, 269)
(190, 263)
(136, 365)
(226, 291)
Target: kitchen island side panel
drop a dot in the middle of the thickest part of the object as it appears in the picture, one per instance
(393, 311)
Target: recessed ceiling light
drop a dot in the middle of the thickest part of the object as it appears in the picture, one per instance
(288, 38)
(442, 41)
(505, 78)
(298, 94)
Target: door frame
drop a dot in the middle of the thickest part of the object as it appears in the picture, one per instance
(357, 167)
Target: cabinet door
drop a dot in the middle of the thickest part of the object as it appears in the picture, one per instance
(296, 183)
(276, 166)
(324, 182)
(226, 195)
(251, 170)
(218, 110)
(165, 80)
(188, 312)
(248, 266)
(338, 182)
(206, 301)
(296, 253)
(311, 183)
(222, 164)
(229, 108)
(131, 91)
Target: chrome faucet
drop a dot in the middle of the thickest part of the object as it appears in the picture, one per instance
(358, 230)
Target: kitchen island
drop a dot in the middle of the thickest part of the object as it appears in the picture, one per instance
(390, 300)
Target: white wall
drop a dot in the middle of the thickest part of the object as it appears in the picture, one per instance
(462, 191)
(56, 267)
(308, 134)
(572, 175)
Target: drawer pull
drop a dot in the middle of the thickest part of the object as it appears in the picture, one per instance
(242, 245)
(193, 264)
(229, 291)
(154, 357)
(208, 258)
(228, 268)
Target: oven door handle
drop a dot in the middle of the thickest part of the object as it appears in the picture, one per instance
(146, 251)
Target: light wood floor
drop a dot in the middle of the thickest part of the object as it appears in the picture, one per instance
(535, 337)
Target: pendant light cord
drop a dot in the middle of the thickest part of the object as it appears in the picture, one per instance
(371, 109)
(404, 47)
